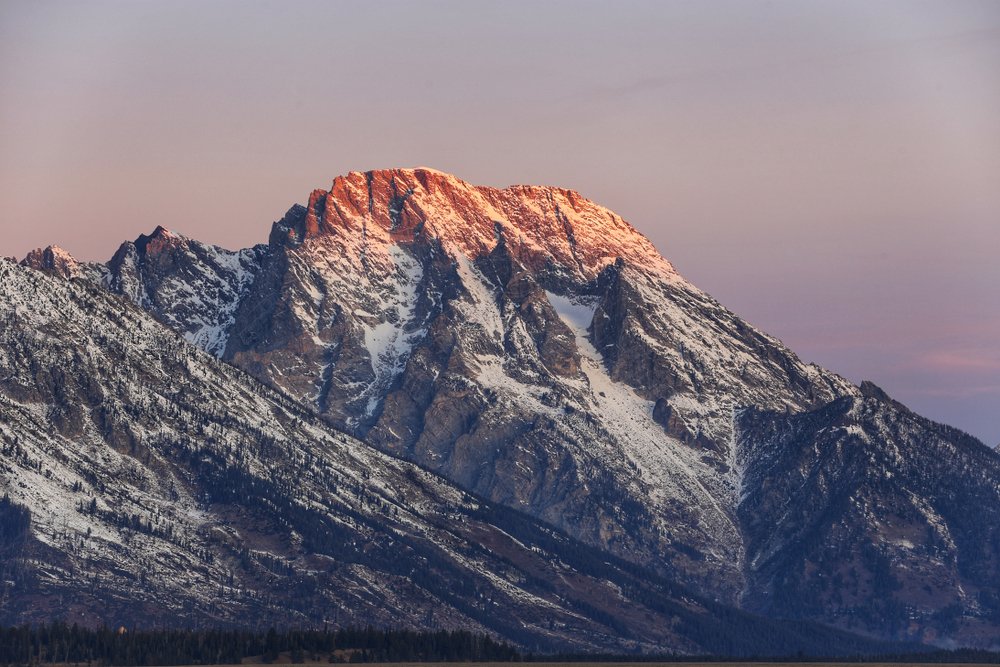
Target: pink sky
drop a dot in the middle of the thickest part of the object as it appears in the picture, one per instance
(829, 170)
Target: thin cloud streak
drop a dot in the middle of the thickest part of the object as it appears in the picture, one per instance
(966, 39)
(962, 361)
(963, 392)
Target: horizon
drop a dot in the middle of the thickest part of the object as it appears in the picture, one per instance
(826, 172)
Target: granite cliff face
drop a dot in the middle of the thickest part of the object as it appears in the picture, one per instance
(534, 349)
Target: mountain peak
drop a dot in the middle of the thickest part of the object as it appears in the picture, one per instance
(543, 225)
(52, 259)
(156, 240)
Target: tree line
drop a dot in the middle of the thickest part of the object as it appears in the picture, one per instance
(71, 644)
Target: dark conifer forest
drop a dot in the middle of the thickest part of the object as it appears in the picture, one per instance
(65, 644)
(62, 644)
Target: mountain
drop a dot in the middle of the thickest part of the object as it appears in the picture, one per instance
(533, 348)
(451, 324)
(148, 483)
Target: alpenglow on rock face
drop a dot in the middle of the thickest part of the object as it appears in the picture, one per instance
(533, 348)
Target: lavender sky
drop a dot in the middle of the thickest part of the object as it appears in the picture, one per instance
(829, 170)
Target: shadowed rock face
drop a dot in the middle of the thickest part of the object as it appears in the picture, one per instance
(528, 345)
(866, 513)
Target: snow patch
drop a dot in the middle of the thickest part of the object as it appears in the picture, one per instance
(391, 340)
(670, 469)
